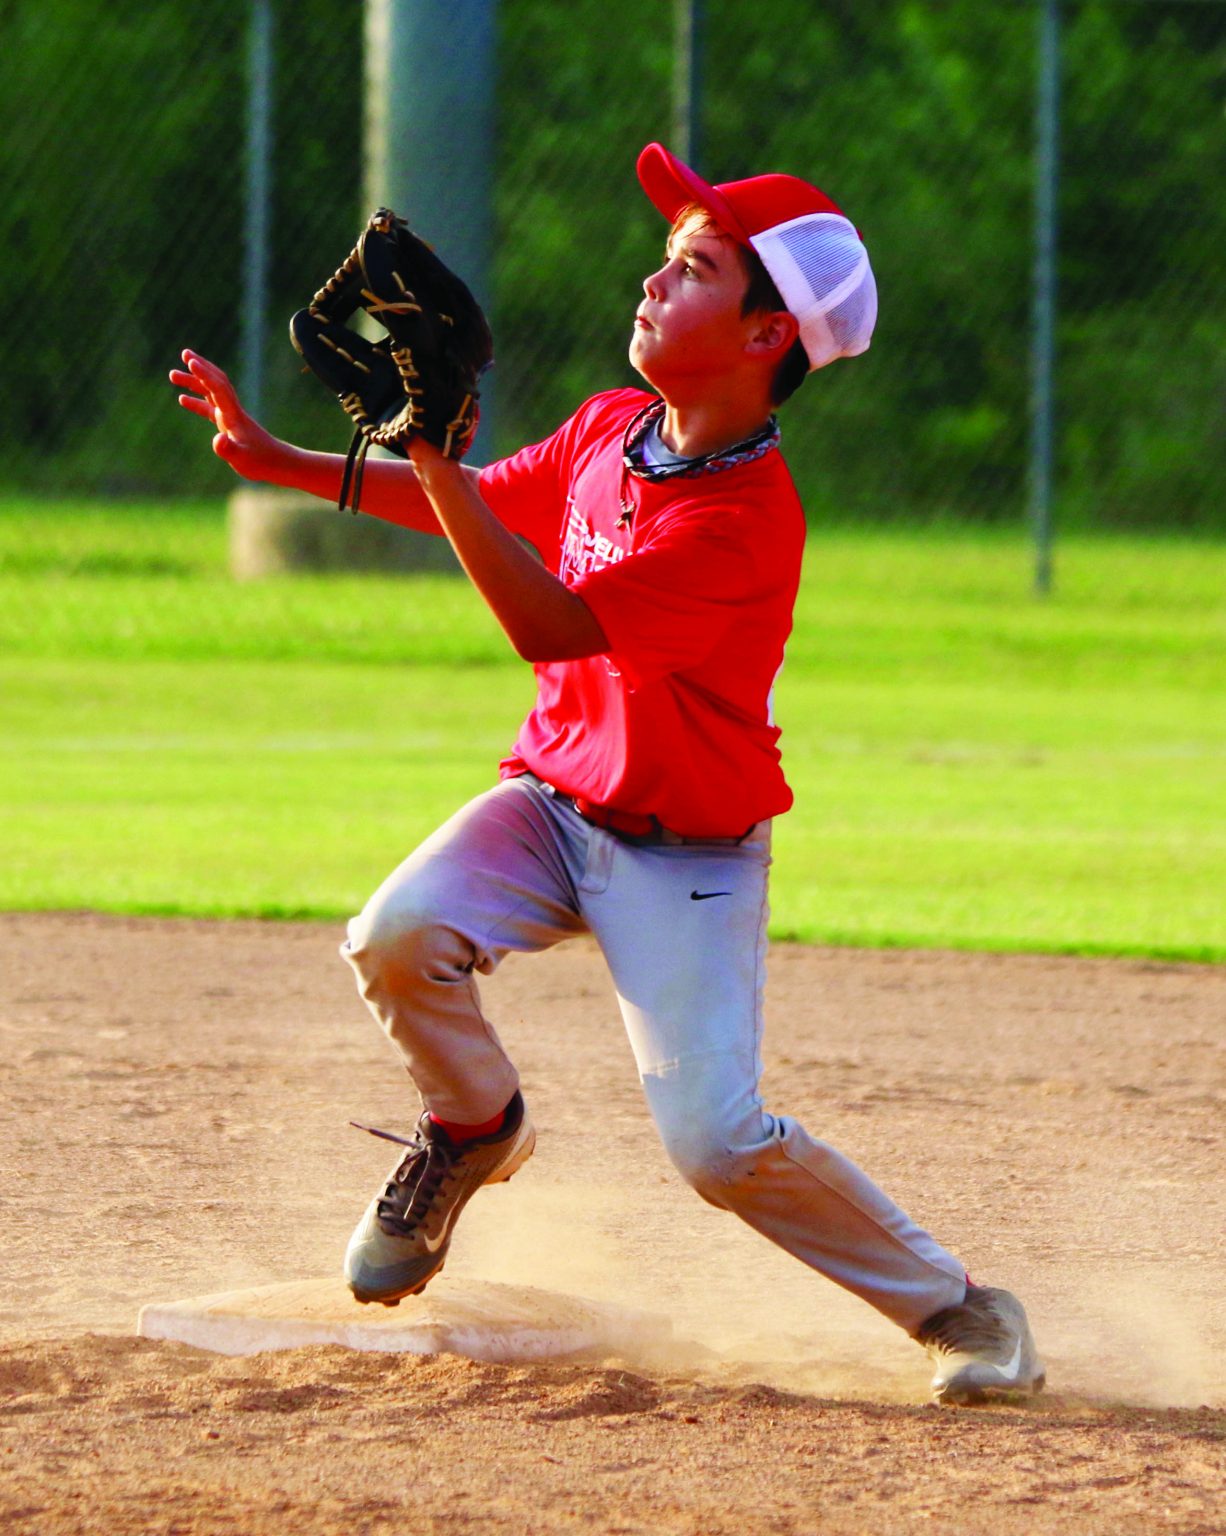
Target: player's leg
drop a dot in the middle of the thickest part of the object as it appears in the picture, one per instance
(492, 879)
(497, 877)
(684, 931)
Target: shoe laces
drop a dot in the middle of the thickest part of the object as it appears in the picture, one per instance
(972, 1327)
(418, 1178)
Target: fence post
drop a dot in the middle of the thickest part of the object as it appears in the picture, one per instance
(429, 139)
(687, 80)
(256, 216)
(1043, 302)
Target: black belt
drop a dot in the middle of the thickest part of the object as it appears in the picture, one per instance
(630, 827)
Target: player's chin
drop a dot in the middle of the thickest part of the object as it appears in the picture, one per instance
(643, 358)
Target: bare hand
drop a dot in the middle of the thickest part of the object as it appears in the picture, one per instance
(240, 441)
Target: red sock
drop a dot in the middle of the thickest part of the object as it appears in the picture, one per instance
(462, 1133)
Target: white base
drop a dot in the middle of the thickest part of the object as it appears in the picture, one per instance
(474, 1318)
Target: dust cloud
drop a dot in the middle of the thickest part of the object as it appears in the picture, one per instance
(742, 1312)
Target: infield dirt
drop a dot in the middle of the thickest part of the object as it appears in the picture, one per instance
(177, 1103)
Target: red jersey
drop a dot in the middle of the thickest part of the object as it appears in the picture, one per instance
(693, 580)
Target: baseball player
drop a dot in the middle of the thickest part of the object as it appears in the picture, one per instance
(636, 804)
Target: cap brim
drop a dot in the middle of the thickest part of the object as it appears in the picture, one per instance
(672, 185)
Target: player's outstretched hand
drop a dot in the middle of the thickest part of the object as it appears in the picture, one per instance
(240, 441)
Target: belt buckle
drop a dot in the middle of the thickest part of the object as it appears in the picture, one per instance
(646, 829)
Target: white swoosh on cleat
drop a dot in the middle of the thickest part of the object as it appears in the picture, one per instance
(432, 1245)
(1009, 1372)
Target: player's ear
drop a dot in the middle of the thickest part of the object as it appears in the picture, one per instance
(774, 332)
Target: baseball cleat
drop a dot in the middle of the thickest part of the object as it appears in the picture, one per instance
(401, 1242)
(982, 1348)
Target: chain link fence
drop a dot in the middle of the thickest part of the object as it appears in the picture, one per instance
(123, 171)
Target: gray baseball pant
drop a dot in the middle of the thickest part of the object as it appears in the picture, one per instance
(683, 930)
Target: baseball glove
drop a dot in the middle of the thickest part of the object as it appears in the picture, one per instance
(421, 378)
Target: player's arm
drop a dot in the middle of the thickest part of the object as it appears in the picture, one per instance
(543, 619)
(389, 487)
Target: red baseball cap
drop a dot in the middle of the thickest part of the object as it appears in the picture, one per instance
(813, 252)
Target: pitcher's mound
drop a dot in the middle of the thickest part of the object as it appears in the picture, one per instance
(475, 1318)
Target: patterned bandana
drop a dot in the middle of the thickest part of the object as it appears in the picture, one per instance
(748, 449)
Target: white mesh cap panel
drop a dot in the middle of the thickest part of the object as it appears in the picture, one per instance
(822, 271)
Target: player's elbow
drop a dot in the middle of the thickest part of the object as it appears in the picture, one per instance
(547, 650)
(568, 636)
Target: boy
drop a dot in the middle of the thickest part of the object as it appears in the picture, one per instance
(636, 804)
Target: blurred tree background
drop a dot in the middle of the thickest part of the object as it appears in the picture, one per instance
(123, 164)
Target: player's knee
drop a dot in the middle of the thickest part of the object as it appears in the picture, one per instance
(398, 938)
(713, 1126)
(708, 1162)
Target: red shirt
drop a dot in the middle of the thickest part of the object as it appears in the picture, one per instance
(695, 596)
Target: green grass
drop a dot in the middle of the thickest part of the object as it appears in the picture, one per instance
(973, 767)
